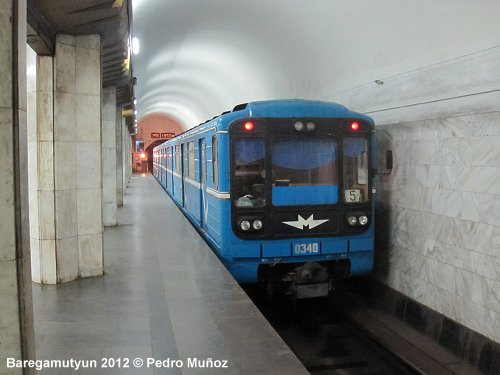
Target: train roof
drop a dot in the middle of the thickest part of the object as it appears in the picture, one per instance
(282, 108)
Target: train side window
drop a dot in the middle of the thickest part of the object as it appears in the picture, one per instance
(169, 159)
(215, 162)
(177, 159)
(191, 162)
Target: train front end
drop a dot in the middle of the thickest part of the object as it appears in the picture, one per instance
(301, 198)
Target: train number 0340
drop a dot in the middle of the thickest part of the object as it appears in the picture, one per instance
(306, 248)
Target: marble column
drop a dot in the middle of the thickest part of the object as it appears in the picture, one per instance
(78, 170)
(41, 173)
(109, 155)
(119, 157)
(67, 193)
(16, 312)
(127, 158)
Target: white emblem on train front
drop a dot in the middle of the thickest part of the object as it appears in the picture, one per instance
(301, 223)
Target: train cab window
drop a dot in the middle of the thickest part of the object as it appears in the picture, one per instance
(249, 172)
(191, 161)
(356, 170)
(215, 163)
(304, 171)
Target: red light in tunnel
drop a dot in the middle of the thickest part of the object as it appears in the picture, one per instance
(355, 126)
(143, 156)
(248, 126)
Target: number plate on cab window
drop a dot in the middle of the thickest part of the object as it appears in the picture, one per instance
(309, 248)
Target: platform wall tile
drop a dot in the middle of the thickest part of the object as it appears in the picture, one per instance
(443, 197)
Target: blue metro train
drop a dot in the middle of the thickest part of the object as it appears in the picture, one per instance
(281, 191)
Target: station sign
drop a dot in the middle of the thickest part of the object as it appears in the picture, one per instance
(159, 135)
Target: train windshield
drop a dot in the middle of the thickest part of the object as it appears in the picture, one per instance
(356, 170)
(304, 171)
(249, 172)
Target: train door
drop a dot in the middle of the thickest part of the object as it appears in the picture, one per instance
(203, 184)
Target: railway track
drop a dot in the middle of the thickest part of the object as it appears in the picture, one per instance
(325, 341)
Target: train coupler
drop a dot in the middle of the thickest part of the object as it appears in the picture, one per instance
(310, 280)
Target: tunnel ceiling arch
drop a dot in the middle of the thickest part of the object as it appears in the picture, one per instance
(199, 58)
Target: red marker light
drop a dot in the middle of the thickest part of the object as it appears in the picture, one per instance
(355, 126)
(143, 156)
(248, 126)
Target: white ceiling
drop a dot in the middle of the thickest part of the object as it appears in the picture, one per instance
(200, 57)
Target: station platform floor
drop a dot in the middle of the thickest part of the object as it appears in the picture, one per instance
(164, 295)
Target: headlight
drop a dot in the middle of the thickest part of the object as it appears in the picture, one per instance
(363, 220)
(311, 126)
(245, 225)
(257, 224)
(299, 126)
(352, 220)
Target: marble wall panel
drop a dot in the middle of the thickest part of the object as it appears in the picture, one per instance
(483, 265)
(89, 209)
(108, 170)
(64, 116)
(66, 213)
(88, 118)
(88, 71)
(428, 175)
(67, 259)
(90, 249)
(45, 165)
(65, 62)
(48, 262)
(45, 115)
(486, 180)
(440, 274)
(33, 209)
(88, 165)
(108, 134)
(45, 74)
(32, 126)
(65, 165)
(36, 274)
(485, 151)
(479, 238)
(445, 210)
(33, 165)
(445, 253)
(443, 196)
(46, 215)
